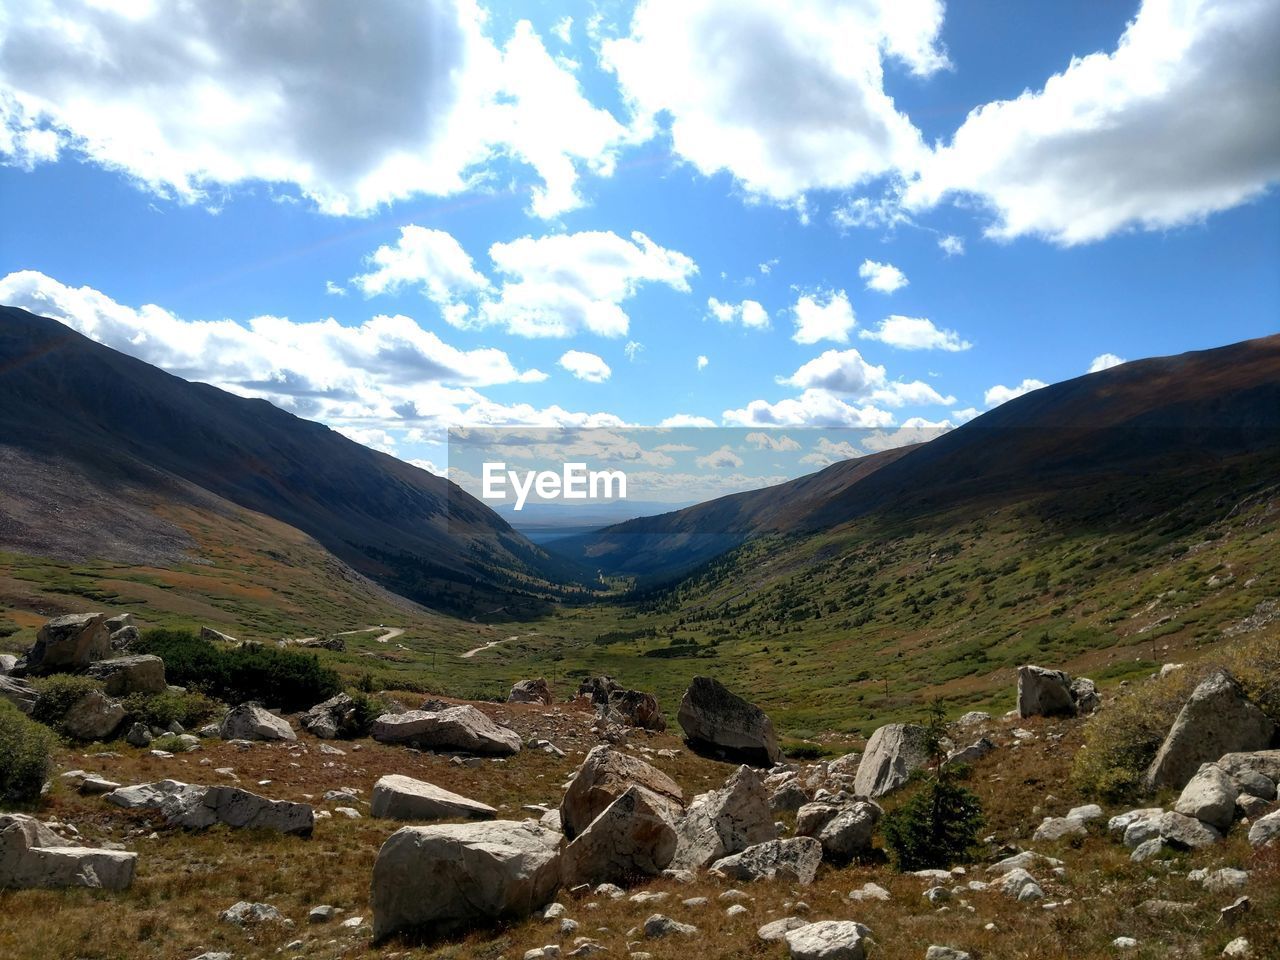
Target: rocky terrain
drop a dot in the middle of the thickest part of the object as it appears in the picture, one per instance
(580, 822)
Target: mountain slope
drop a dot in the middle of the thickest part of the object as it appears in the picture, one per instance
(1146, 416)
(127, 425)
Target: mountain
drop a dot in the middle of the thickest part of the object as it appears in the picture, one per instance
(103, 442)
(1157, 416)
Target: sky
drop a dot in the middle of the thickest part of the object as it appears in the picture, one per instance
(877, 215)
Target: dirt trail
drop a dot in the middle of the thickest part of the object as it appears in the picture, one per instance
(492, 643)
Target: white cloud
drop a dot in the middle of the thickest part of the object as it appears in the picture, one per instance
(1176, 123)
(766, 268)
(563, 29)
(767, 441)
(952, 245)
(1001, 394)
(865, 213)
(354, 105)
(915, 393)
(633, 349)
(838, 371)
(913, 430)
(372, 437)
(1105, 361)
(915, 333)
(827, 452)
(816, 408)
(430, 467)
(586, 366)
(823, 316)
(749, 313)
(430, 259)
(563, 284)
(334, 289)
(719, 459)
(884, 277)
(702, 362)
(965, 415)
(787, 97)
(683, 420)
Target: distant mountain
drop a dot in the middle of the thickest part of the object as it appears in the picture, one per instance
(1148, 416)
(79, 421)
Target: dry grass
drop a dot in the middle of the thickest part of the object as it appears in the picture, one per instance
(185, 880)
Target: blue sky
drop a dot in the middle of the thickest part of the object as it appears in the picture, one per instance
(560, 191)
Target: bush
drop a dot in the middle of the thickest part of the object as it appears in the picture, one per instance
(58, 694)
(938, 826)
(1122, 739)
(279, 678)
(24, 755)
(365, 710)
(191, 709)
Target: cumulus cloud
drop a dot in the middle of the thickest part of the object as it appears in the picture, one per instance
(1176, 123)
(429, 259)
(839, 371)
(749, 313)
(586, 366)
(915, 333)
(827, 452)
(785, 97)
(1105, 361)
(882, 277)
(965, 415)
(423, 99)
(1001, 394)
(913, 430)
(816, 408)
(702, 362)
(915, 393)
(767, 441)
(719, 459)
(563, 284)
(683, 420)
(823, 316)
(952, 245)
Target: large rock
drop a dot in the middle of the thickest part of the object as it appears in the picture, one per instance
(7, 662)
(715, 719)
(251, 722)
(607, 774)
(125, 675)
(329, 719)
(1043, 692)
(124, 638)
(440, 879)
(95, 716)
(1085, 694)
(795, 859)
(1265, 830)
(217, 636)
(464, 729)
(828, 940)
(399, 797)
(18, 692)
(530, 691)
(32, 855)
(1217, 719)
(69, 643)
(893, 753)
(634, 708)
(1209, 796)
(197, 807)
(1245, 768)
(724, 821)
(632, 838)
(843, 829)
(1186, 833)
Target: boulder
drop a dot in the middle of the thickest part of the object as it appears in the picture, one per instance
(1265, 830)
(530, 691)
(1217, 719)
(1209, 796)
(724, 821)
(790, 796)
(398, 797)
(1246, 769)
(124, 638)
(125, 675)
(828, 940)
(1059, 828)
(1020, 885)
(634, 708)
(776, 930)
(7, 662)
(246, 914)
(1186, 833)
(463, 729)
(32, 856)
(892, 754)
(1043, 692)
(18, 692)
(631, 838)
(972, 753)
(217, 636)
(658, 926)
(1085, 694)
(444, 878)
(843, 829)
(598, 689)
(197, 807)
(95, 716)
(329, 719)
(604, 776)
(715, 719)
(69, 643)
(119, 621)
(138, 736)
(795, 859)
(251, 722)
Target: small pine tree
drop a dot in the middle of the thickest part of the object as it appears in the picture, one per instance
(939, 824)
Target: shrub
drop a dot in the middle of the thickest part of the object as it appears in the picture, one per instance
(191, 709)
(938, 825)
(58, 694)
(280, 678)
(1122, 739)
(24, 755)
(365, 710)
